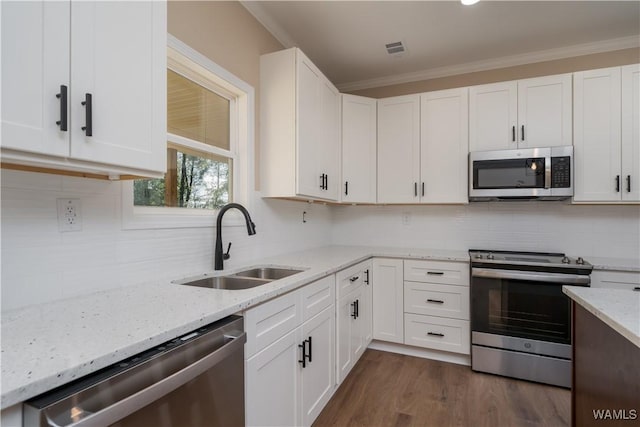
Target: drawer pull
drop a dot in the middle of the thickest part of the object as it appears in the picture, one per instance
(435, 273)
(435, 334)
(354, 278)
(435, 301)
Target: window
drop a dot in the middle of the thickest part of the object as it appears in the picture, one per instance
(209, 147)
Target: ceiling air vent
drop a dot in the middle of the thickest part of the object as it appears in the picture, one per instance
(395, 48)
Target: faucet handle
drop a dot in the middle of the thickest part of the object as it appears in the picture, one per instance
(226, 255)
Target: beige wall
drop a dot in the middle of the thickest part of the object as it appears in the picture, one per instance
(230, 36)
(568, 65)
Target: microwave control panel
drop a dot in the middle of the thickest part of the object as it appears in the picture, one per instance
(561, 172)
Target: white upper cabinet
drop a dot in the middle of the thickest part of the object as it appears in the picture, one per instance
(399, 149)
(521, 114)
(631, 132)
(444, 146)
(299, 128)
(607, 141)
(359, 136)
(110, 57)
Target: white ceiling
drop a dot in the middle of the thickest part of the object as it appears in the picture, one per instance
(346, 39)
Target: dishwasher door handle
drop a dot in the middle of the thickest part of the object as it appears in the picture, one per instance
(142, 398)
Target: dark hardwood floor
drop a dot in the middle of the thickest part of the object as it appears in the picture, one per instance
(387, 389)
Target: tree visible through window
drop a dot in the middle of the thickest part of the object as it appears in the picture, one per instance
(199, 157)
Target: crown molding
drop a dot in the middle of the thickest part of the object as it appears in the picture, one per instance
(255, 8)
(496, 63)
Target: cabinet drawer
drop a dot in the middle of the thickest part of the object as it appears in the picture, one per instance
(437, 333)
(436, 300)
(350, 278)
(615, 279)
(267, 322)
(317, 296)
(445, 272)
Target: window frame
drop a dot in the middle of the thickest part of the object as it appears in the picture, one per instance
(188, 62)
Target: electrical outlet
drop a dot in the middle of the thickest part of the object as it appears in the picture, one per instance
(406, 218)
(69, 215)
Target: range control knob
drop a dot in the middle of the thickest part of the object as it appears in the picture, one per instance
(478, 256)
(490, 256)
(580, 260)
(566, 260)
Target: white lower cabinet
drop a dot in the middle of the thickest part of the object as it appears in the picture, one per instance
(290, 356)
(388, 319)
(438, 333)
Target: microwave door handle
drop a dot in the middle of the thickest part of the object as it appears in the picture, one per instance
(547, 173)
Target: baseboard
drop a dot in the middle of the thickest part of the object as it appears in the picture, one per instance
(443, 356)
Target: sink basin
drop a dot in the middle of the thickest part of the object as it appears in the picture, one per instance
(228, 282)
(268, 273)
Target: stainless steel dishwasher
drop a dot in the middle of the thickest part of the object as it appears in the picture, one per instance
(194, 380)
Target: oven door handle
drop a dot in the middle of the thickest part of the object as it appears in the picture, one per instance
(531, 276)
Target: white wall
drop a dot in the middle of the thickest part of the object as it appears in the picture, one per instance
(587, 231)
(40, 264)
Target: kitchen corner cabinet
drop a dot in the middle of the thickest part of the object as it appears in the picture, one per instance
(388, 304)
(353, 316)
(359, 149)
(527, 113)
(84, 86)
(290, 356)
(299, 128)
(607, 136)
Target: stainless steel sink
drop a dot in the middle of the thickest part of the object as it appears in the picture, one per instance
(227, 282)
(245, 279)
(269, 273)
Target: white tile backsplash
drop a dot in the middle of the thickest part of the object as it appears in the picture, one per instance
(40, 264)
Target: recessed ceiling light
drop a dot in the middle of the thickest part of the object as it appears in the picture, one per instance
(469, 2)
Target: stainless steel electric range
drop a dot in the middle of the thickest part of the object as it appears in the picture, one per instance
(520, 318)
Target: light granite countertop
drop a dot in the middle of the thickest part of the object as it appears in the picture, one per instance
(618, 308)
(615, 264)
(48, 345)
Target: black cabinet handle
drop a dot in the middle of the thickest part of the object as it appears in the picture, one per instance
(617, 183)
(435, 334)
(366, 280)
(637, 288)
(303, 346)
(346, 188)
(354, 313)
(354, 278)
(513, 133)
(628, 183)
(322, 182)
(436, 301)
(423, 189)
(326, 181)
(415, 189)
(522, 134)
(310, 355)
(88, 113)
(62, 96)
(435, 273)
(357, 308)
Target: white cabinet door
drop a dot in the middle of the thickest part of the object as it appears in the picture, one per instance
(493, 111)
(597, 145)
(318, 376)
(388, 300)
(328, 151)
(399, 149)
(118, 50)
(272, 385)
(345, 312)
(35, 63)
(444, 146)
(544, 111)
(359, 136)
(631, 133)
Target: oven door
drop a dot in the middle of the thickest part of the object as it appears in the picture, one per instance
(523, 304)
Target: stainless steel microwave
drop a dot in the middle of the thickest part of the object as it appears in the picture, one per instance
(531, 173)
